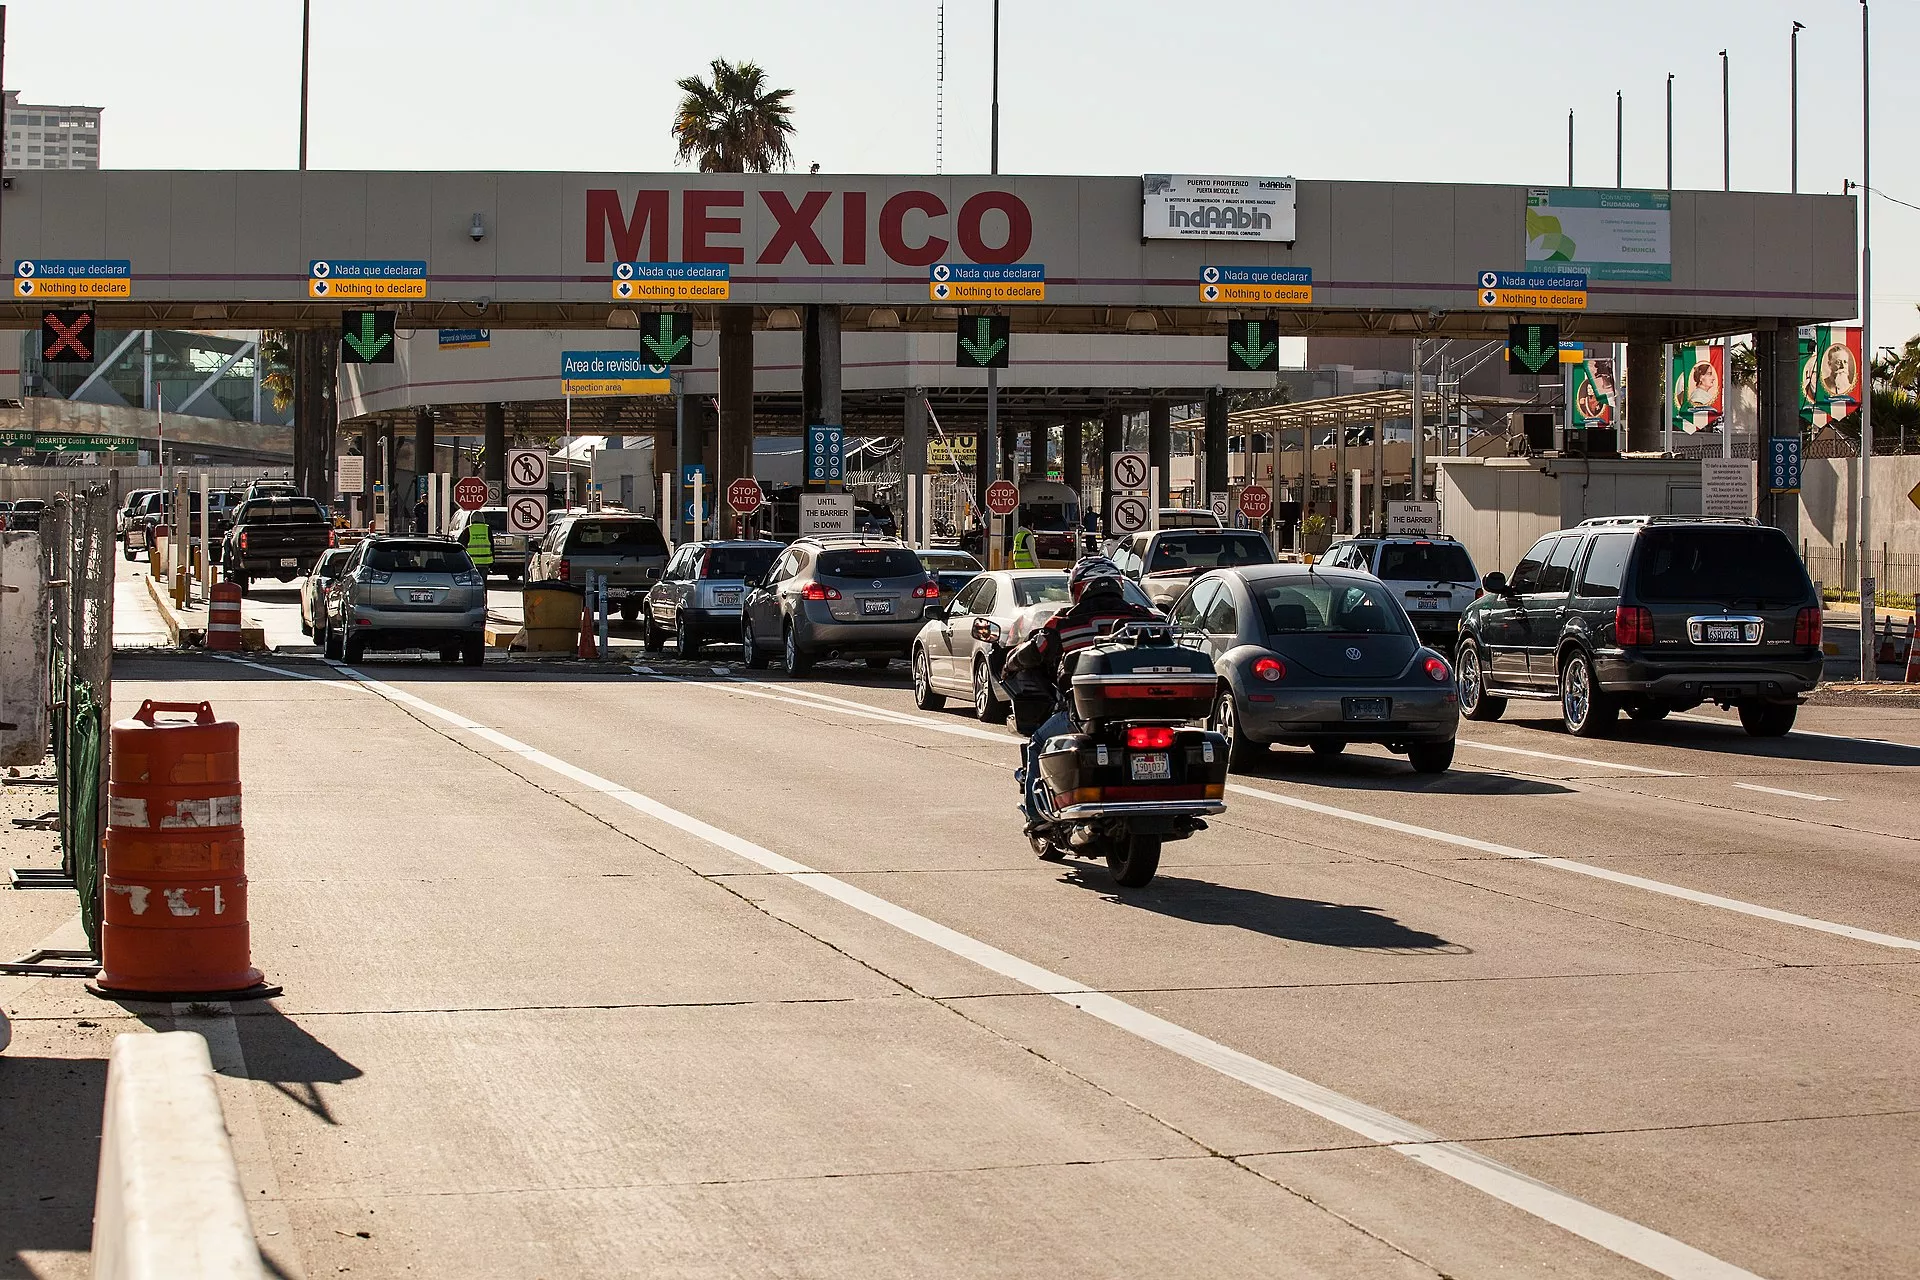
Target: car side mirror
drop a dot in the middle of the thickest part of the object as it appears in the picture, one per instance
(1495, 583)
(985, 630)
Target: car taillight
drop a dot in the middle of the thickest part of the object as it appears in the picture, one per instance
(927, 591)
(333, 539)
(1437, 670)
(565, 570)
(820, 591)
(1632, 624)
(1806, 627)
(243, 539)
(1150, 737)
(1272, 670)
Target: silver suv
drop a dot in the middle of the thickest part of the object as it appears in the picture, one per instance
(404, 592)
(1433, 576)
(838, 596)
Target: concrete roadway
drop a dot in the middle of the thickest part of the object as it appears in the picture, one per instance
(685, 974)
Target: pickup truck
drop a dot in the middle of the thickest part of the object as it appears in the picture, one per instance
(627, 549)
(278, 537)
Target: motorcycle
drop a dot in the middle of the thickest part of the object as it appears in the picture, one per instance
(1133, 772)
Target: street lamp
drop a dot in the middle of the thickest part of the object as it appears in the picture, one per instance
(1794, 58)
(1869, 668)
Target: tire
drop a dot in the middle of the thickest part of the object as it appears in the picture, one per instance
(1470, 679)
(1767, 719)
(353, 649)
(1046, 850)
(1584, 709)
(987, 708)
(306, 628)
(797, 661)
(241, 581)
(473, 651)
(1648, 712)
(879, 663)
(449, 653)
(686, 643)
(1242, 751)
(1134, 860)
(629, 609)
(651, 637)
(127, 552)
(751, 652)
(332, 644)
(924, 696)
(1430, 757)
(1327, 746)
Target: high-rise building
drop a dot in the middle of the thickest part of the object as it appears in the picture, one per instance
(51, 137)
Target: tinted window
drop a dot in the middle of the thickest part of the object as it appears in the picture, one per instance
(1606, 565)
(330, 563)
(1192, 607)
(1048, 590)
(1526, 574)
(1305, 607)
(1184, 518)
(277, 511)
(949, 562)
(1426, 562)
(616, 537)
(1558, 574)
(1221, 619)
(969, 598)
(1208, 550)
(748, 563)
(496, 521)
(1738, 565)
(418, 557)
(871, 562)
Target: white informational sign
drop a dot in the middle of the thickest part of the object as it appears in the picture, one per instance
(1726, 487)
(1221, 505)
(1416, 519)
(352, 470)
(1179, 206)
(1606, 232)
(527, 469)
(527, 513)
(1130, 514)
(1128, 470)
(826, 513)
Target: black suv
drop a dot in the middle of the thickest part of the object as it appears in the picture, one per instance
(1650, 613)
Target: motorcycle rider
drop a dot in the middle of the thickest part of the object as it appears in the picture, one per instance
(1100, 606)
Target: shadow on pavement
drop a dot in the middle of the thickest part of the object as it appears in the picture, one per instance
(278, 1051)
(50, 1112)
(1326, 924)
(1731, 739)
(1370, 773)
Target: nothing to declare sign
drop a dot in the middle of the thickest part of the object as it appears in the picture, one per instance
(612, 373)
(1178, 206)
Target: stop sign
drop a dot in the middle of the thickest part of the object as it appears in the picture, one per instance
(744, 496)
(1255, 502)
(1002, 497)
(470, 493)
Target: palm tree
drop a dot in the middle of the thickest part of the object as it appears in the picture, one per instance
(733, 123)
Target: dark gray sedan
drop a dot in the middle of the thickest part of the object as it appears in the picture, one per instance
(1318, 658)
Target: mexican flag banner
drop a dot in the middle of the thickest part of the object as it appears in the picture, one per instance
(1830, 369)
(1699, 387)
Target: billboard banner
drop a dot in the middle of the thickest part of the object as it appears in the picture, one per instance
(1608, 233)
(1699, 387)
(1829, 374)
(955, 452)
(1594, 396)
(1178, 206)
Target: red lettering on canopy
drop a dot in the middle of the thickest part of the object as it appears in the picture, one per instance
(604, 215)
(1019, 227)
(697, 223)
(796, 228)
(893, 217)
(853, 228)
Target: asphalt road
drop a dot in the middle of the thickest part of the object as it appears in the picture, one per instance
(679, 973)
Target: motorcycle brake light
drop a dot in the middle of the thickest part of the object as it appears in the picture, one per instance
(1150, 737)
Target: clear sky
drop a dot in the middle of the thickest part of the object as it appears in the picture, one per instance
(1467, 90)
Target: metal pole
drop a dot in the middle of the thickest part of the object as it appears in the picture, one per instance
(1569, 148)
(1666, 399)
(995, 132)
(1869, 667)
(1004, 464)
(1726, 126)
(1619, 138)
(1669, 132)
(1418, 469)
(1794, 58)
(1726, 419)
(3, 149)
(306, 31)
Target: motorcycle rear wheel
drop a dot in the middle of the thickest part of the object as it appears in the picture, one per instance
(1133, 859)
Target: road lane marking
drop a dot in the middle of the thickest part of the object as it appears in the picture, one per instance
(1585, 869)
(1782, 791)
(1580, 760)
(1657, 1252)
(1802, 733)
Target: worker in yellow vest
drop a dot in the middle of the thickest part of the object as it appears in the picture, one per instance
(1023, 557)
(479, 545)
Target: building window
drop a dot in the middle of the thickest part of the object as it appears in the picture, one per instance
(33, 150)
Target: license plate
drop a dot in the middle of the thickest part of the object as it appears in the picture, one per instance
(726, 597)
(422, 597)
(1723, 633)
(1155, 767)
(1368, 708)
(1426, 604)
(876, 606)
(289, 562)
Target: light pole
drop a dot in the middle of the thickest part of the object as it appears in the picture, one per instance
(1619, 138)
(1726, 126)
(1669, 133)
(1794, 79)
(1569, 148)
(1869, 668)
(306, 30)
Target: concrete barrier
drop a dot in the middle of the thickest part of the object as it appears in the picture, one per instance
(169, 1201)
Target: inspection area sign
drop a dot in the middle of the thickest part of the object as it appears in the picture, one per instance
(671, 281)
(987, 282)
(1260, 286)
(72, 278)
(1533, 290)
(612, 373)
(366, 278)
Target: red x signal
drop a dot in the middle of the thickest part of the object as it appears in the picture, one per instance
(66, 336)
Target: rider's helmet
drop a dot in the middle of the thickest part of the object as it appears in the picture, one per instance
(1091, 569)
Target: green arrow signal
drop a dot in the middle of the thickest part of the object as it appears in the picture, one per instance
(666, 346)
(1254, 353)
(978, 348)
(1535, 356)
(365, 343)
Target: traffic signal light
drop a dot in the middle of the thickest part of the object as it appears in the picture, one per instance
(667, 337)
(1533, 350)
(366, 337)
(66, 337)
(1253, 346)
(982, 342)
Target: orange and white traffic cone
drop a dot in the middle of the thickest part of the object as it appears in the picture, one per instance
(587, 649)
(1913, 663)
(1885, 652)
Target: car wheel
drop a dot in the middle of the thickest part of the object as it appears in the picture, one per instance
(798, 662)
(449, 653)
(353, 648)
(986, 708)
(1242, 751)
(923, 695)
(1327, 747)
(629, 609)
(306, 628)
(127, 551)
(1587, 712)
(332, 645)
(473, 651)
(1767, 719)
(1648, 712)
(1471, 678)
(755, 657)
(651, 637)
(1133, 859)
(879, 662)
(241, 581)
(685, 642)
(1430, 757)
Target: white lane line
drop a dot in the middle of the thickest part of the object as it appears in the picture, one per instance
(1579, 760)
(1801, 733)
(813, 701)
(1782, 791)
(1659, 1253)
(1585, 869)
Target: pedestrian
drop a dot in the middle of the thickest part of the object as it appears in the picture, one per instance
(420, 514)
(1023, 557)
(479, 544)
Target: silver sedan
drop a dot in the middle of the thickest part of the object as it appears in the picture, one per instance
(950, 653)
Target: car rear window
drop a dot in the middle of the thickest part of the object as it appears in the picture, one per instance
(1426, 562)
(871, 562)
(1327, 607)
(1756, 566)
(616, 537)
(1029, 591)
(418, 557)
(1180, 518)
(496, 521)
(1207, 550)
(748, 563)
(331, 561)
(279, 511)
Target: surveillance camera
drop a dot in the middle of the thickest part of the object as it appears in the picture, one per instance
(477, 229)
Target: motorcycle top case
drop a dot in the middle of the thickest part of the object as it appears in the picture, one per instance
(1142, 675)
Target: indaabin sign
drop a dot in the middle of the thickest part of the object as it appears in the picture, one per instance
(1179, 206)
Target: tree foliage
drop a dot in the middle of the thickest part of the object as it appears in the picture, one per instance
(733, 123)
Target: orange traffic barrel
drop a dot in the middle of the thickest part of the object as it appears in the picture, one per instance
(223, 616)
(173, 916)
